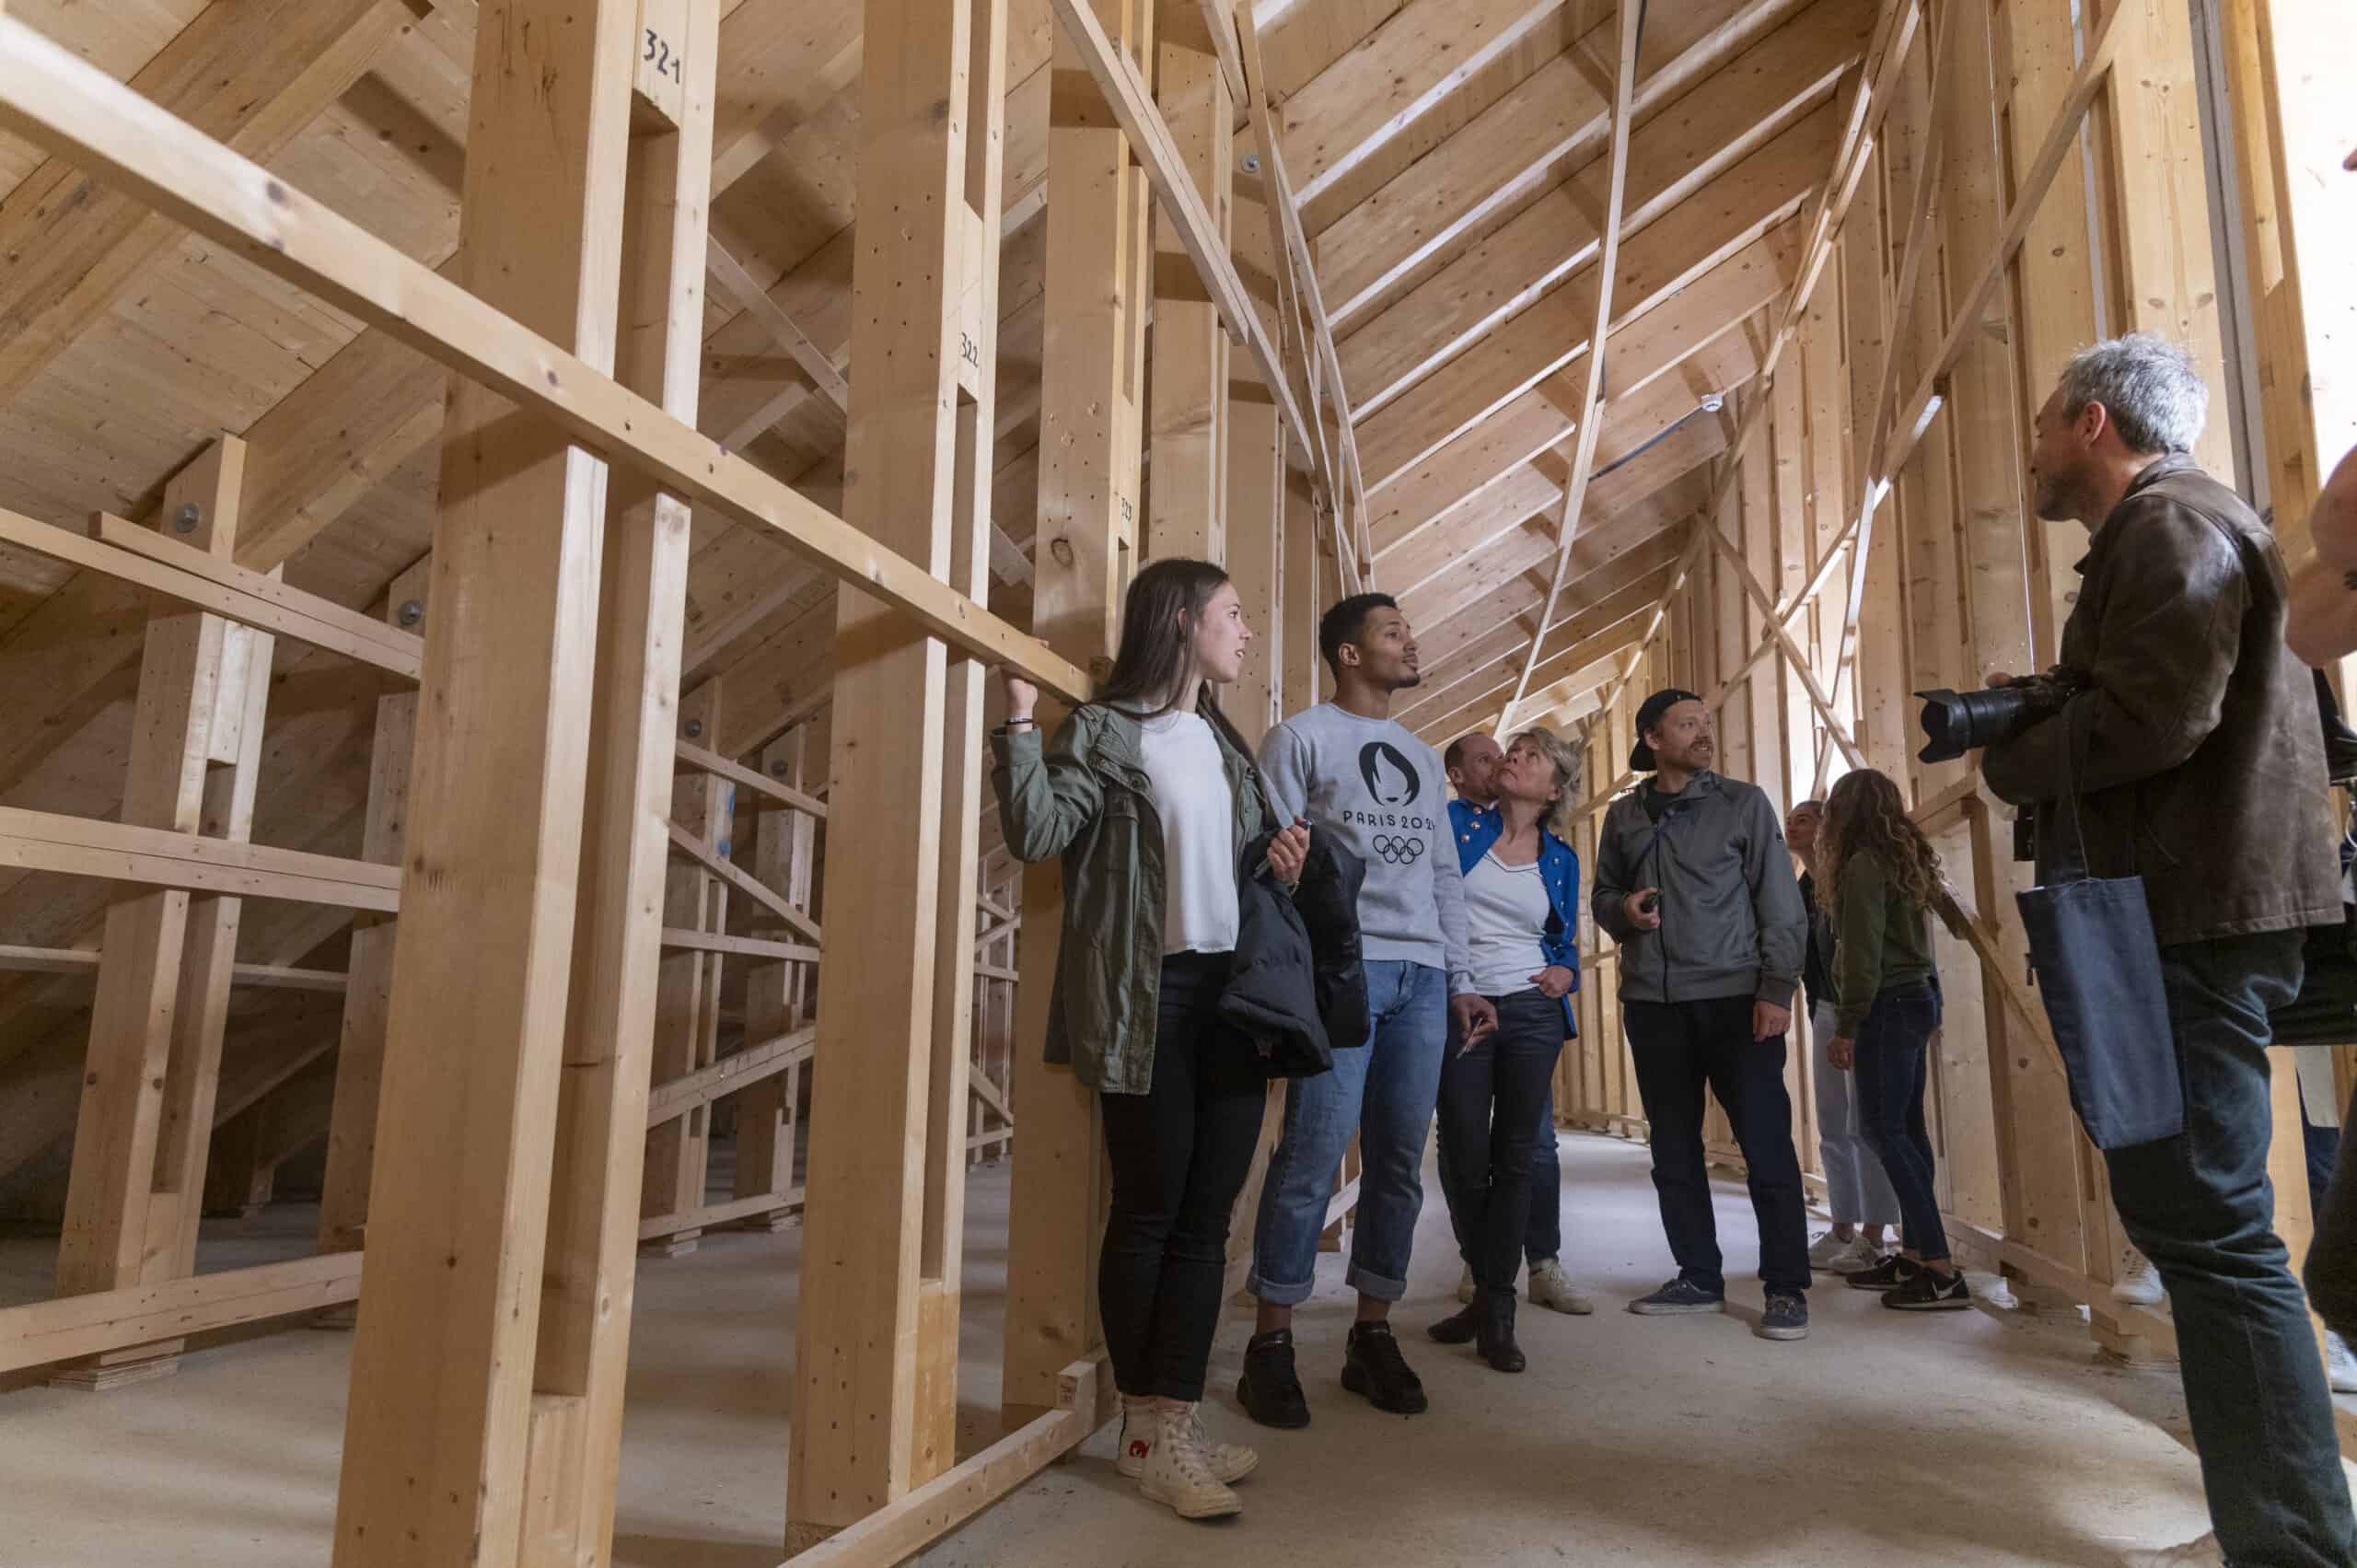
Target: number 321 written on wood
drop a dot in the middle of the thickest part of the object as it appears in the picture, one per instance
(666, 64)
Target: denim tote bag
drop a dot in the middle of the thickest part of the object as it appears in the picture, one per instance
(2097, 967)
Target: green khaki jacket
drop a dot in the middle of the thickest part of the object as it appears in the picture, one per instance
(1086, 797)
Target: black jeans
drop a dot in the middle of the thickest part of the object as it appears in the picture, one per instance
(1678, 1048)
(1492, 1099)
(1179, 1154)
(2200, 1207)
(1891, 1074)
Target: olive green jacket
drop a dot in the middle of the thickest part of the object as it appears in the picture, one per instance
(1086, 797)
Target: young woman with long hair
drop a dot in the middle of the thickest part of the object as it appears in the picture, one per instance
(1879, 880)
(1522, 901)
(1150, 805)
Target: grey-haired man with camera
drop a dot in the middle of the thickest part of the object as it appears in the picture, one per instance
(2198, 766)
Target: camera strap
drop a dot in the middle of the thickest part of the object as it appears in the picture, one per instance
(2069, 862)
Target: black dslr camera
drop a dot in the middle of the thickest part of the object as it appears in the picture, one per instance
(1958, 722)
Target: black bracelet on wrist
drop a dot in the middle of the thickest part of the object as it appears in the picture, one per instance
(1022, 724)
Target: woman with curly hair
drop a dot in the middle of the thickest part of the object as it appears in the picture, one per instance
(1879, 878)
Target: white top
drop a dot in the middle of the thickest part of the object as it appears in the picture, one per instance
(1505, 915)
(1198, 811)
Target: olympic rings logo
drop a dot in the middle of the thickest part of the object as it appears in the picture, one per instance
(1397, 851)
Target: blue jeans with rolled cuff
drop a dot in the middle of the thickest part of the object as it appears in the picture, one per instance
(1385, 1093)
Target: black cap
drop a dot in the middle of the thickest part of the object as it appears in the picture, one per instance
(1641, 756)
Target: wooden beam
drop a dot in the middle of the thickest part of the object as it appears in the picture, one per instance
(690, 755)
(287, 612)
(56, 100)
(756, 302)
(253, 76)
(1089, 377)
(1591, 403)
(360, 1070)
(1187, 507)
(153, 857)
(876, 1356)
(741, 1070)
(728, 871)
(1122, 83)
(83, 961)
(435, 1452)
(43, 1333)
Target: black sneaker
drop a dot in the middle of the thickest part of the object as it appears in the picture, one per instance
(1372, 1366)
(1680, 1295)
(1269, 1390)
(1458, 1329)
(1892, 1271)
(1786, 1317)
(1926, 1292)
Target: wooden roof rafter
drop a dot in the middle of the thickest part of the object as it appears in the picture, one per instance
(1592, 401)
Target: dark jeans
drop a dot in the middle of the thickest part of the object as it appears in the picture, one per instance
(1678, 1048)
(1890, 1075)
(1179, 1154)
(2331, 1268)
(2200, 1206)
(1492, 1098)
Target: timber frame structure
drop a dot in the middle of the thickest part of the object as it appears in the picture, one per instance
(498, 572)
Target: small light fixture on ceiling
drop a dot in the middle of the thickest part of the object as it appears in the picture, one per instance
(1713, 401)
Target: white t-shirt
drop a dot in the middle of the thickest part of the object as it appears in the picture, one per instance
(1505, 915)
(1198, 811)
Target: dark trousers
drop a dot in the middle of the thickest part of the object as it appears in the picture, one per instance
(2331, 1268)
(1891, 1076)
(2200, 1206)
(1179, 1154)
(1680, 1047)
(1492, 1099)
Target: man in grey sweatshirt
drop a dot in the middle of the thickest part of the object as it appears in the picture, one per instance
(1694, 882)
(1350, 770)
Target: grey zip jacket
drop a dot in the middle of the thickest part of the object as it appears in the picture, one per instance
(1732, 921)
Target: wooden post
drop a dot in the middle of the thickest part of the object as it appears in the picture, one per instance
(1301, 603)
(766, 1111)
(360, 1058)
(976, 180)
(687, 997)
(574, 1444)
(442, 1371)
(1090, 376)
(870, 1349)
(135, 1195)
(1255, 560)
(1189, 500)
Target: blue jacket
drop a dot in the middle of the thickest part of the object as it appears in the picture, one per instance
(1559, 867)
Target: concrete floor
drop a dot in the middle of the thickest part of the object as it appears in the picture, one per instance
(1962, 1438)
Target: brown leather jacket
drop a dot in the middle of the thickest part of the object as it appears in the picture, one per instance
(2199, 757)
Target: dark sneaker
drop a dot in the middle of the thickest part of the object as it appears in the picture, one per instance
(1680, 1295)
(1888, 1275)
(1458, 1329)
(1269, 1390)
(1372, 1366)
(1785, 1318)
(1926, 1292)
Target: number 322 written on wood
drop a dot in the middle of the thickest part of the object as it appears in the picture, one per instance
(665, 63)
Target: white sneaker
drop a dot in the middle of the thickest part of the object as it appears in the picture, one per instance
(2140, 1286)
(1829, 1245)
(1178, 1473)
(1465, 1286)
(2202, 1553)
(2340, 1367)
(1550, 1287)
(1228, 1461)
(1854, 1259)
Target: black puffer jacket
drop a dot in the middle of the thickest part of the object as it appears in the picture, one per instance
(1299, 985)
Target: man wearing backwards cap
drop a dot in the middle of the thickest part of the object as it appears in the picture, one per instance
(1693, 880)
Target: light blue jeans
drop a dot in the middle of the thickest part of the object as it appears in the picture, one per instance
(1385, 1093)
